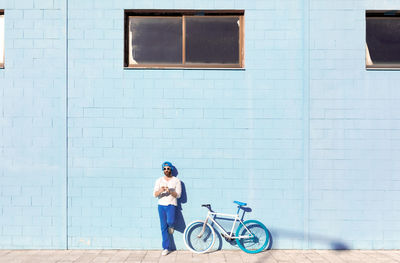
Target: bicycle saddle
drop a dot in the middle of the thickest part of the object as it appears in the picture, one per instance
(240, 203)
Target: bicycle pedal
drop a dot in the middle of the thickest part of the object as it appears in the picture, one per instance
(228, 237)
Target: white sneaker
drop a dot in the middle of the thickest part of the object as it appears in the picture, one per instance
(165, 252)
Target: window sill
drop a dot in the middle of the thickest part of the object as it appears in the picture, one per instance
(184, 68)
(383, 67)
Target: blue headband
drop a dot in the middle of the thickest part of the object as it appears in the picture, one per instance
(167, 164)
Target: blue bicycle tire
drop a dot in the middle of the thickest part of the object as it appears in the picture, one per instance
(254, 244)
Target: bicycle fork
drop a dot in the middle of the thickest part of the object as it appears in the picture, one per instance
(204, 228)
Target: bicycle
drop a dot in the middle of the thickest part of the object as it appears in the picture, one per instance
(251, 235)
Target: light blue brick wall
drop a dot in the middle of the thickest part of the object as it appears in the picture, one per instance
(232, 134)
(33, 134)
(305, 135)
(354, 185)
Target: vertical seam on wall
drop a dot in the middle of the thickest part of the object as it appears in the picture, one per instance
(66, 122)
(306, 119)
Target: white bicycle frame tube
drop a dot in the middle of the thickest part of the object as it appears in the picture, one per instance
(236, 217)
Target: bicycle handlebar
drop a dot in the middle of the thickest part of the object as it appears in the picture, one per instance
(207, 206)
(240, 204)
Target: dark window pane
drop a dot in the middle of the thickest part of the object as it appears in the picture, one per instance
(383, 40)
(212, 40)
(156, 40)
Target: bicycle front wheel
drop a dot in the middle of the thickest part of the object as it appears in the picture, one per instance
(197, 240)
(255, 236)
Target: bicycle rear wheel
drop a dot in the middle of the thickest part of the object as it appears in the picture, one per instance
(256, 236)
(196, 240)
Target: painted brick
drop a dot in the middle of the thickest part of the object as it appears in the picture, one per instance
(325, 64)
(242, 129)
(34, 140)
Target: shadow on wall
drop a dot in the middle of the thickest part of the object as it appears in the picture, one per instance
(333, 243)
(180, 224)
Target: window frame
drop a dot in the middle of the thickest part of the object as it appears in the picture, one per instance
(2, 39)
(379, 14)
(182, 13)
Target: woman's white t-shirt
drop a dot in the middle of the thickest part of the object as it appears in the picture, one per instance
(174, 184)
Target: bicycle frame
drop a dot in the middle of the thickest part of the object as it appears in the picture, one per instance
(212, 215)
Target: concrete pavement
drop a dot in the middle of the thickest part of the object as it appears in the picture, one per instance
(228, 256)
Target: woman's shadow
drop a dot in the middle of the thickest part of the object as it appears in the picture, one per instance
(179, 220)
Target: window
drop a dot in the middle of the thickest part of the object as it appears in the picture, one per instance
(383, 39)
(184, 39)
(1, 39)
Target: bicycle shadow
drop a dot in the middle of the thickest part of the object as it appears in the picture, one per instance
(333, 243)
(180, 224)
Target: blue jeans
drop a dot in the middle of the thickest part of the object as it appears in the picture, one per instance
(167, 219)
